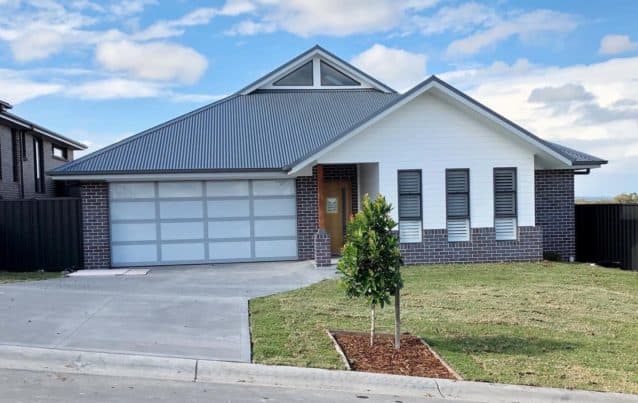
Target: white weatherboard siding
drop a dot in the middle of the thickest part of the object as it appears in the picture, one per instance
(432, 135)
(202, 221)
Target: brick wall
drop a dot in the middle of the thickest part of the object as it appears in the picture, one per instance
(482, 247)
(95, 225)
(307, 215)
(9, 189)
(555, 212)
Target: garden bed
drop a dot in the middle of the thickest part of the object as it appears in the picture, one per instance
(414, 358)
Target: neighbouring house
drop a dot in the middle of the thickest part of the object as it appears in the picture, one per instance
(274, 171)
(27, 151)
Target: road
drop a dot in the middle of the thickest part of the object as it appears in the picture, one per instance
(18, 386)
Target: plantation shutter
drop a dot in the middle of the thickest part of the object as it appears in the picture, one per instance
(410, 207)
(457, 185)
(505, 214)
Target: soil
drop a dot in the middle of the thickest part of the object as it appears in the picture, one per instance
(414, 358)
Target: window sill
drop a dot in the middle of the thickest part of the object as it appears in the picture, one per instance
(55, 157)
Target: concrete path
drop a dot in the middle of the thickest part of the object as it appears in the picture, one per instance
(28, 386)
(187, 311)
(302, 382)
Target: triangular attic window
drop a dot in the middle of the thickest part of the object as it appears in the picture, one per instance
(301, 77)
(332, 77)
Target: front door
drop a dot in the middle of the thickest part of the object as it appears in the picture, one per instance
(337, 205)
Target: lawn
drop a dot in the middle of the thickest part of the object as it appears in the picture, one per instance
(12, 277)
(546, 324)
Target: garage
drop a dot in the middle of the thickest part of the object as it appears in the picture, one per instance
(165, 223)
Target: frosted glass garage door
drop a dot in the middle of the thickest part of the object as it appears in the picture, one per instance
(163, 223)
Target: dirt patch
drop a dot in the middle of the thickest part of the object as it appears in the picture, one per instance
(414, 358)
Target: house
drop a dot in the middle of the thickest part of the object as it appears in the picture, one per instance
(273, 172)
(27, 151)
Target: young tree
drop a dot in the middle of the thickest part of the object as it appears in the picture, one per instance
(371, 260)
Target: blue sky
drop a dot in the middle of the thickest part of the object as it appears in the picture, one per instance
(99, 71)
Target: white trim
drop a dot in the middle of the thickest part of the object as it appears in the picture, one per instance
(175, 176)
(410, 97)
(316, 55)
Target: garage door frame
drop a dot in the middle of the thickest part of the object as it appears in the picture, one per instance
(147, 199)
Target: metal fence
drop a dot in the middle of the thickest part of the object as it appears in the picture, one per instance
(40, 234)
(607, 234)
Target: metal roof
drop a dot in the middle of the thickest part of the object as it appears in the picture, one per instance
(266, 130)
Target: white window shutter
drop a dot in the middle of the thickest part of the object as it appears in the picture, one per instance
(410, 232)
(505, 228)
(458, 230)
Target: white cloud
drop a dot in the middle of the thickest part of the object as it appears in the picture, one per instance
(398, 68)
(130, 7)
(462, 18)
(172, 28)
(152, 61)
(525, 26)
(326, 17)
(116, 88)
(614, 44)
(601, 119)
(15, 88)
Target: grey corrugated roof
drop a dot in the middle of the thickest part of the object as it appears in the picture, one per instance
(263, 130)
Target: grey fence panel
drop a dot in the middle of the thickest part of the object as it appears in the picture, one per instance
(40, 234)
(607, 234)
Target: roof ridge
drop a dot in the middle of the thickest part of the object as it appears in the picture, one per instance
(141, 134)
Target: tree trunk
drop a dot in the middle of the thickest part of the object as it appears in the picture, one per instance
(397, 319)
(372, 327)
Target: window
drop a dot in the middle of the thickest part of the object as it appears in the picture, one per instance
(38, 166)
(15, 154)
(505, 203)
(301, 77)
(59, 152)
(332, 77)
(457, 184)
(410, 210)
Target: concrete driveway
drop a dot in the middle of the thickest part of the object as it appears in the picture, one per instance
(181, 311)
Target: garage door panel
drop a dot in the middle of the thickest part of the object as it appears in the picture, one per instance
(276, 228)
(273, 188)
(228, 208)
(230, 250)
(202, 221)
(132, 210)
(275, 248)
(183, 252)
(181, 209)
(134, 253)
(121, 232)
(182, 230)
(180, 189)
(143, 190)
(227, 188)
(275, 207)
(229, 229)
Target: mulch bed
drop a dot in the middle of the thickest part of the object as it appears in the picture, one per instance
(414, 358)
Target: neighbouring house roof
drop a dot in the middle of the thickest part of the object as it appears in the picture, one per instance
(277, 130)
(21, 123)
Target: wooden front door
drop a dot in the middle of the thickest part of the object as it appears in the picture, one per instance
(337, 205)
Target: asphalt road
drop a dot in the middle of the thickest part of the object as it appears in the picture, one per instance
(17, 386)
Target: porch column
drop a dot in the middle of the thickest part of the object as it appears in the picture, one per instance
(322, 238)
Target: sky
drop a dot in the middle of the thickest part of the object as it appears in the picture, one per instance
(99, 71)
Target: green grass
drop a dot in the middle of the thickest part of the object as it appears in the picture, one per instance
(12, 277)
(546, 324)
